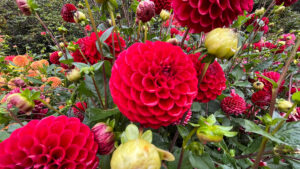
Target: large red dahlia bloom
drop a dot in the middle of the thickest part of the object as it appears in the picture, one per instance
(153, 83)
(286, 2)
(233, 105)
(267, 85)
(213, 83)
(161, 4)
(54, 58)
(67, 12)
(88, 47)
(205, 15)
(53, 142)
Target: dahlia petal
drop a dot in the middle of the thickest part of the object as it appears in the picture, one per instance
(156, 110)
(193, 3)
(57, 153)
(136, 80)
(203, 7)
(66, 138)
(215, 11)
(43, 159)
(182, 101)
(166, 104)
(72, 152)
(82, 155)
(38, 149)
(184, 10)
(149, 99)
(205, 20)
(19, 155)
(148, 84)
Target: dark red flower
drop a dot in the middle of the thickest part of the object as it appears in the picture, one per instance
(286, 2)
(89, 49)
(153, 83)
(145, 11)
(213, 83)
(105, 138)
(79, 113)
(233, 105)
(53, 142)
(162, 4)
(205, 15)
(267, 85)
(54, 58)
(261, 98)
(67, 12)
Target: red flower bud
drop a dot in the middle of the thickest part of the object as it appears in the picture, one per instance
(20, 102)
(105, 138)
(145, 11)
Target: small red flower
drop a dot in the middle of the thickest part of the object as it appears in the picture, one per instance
(261, 98)
(67, 12)
(213, 83)
(53, 142)
(233, 105)
(54, 58)
(43, 33)
(88, 28)
(145, 11)
(254, 21)
(153, 83)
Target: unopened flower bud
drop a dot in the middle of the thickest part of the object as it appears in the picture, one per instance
(145, 10)
(118, 16)
(222, 43)
(260, 11)
(284, 105)
(20, 102)
(173, 41)
(281, 43)
(258, 85)
(279, 10)
(61, 44)
(79, 16)
(24, 7)
(105, 138)
(74, 75)
(164, 15)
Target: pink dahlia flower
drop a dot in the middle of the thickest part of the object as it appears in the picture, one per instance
(233, 105)
(213, 83)
(153, 83)
(205, 15)
(53, 142)
(286, 2)
(67, 12)
(288, 38)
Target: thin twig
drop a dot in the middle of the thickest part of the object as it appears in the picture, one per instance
(184, 37)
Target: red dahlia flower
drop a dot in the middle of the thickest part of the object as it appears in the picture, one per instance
(286, 2)
(89, 49)
(213, 83)
(261, 98)
(53, 142)
(205, 15)
(153, 83)
(54, 58)
(267, 85)
(79, 113)
(233, 105)
(67, 12)
(162, 4)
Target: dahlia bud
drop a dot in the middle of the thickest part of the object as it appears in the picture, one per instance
(118, 16)
(279, 10)
(100, 1)
(79, 16)
(61, 44)
(164, 15)
(142, 155)
(74, 75)
(284, 105)
(281, 43)
(258, 85)
(221, 42)
(24, 7)
(105, 138)
(173, 41)
(260, 11)
(145, 10)
(20, 102)
(204, 138)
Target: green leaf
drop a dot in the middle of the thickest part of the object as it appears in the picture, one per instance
(35, 96)
(237, 72)
(289, 133)
(26, 93)
(69, 60)
(296, 97)
(132, 132)
(98, 65)
(34, 80)
(211, 119)
(80, 65)
(97, 114)
(269, 80)
(185, 161)
(3, 135)
(106, 34)
(183, 131)
(203, 161)
(147, 136)
(252, 127)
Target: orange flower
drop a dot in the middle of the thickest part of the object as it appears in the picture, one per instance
(61, 107)
(44, 62)
(2, 81)
(55, 81)
(21, 60)
(33, 73)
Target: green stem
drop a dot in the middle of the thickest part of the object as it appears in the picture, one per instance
(97, 90)
(261, 150)
(50, 107)
(185, 141)
(203, 72)
(145, 33)
(138, 31)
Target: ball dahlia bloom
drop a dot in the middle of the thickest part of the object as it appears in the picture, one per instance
(153, 83)
(67, 12)
(53, 142)
(233, 105)
(213, 83)
(145, 10)
(286, 2)
(55, 81)
(21, 60)
(162, 4)
(82, 106)
(267, 85)
(54, 58)
(261, 98)
(88, 47)
(205, 15)
(24, 7)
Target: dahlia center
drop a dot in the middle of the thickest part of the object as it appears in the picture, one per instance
(167, 71)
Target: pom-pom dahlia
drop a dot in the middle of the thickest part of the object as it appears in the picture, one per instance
(88, 47)
(67, 12)
(213, 83)
(286, 2)
(233, 105)
(162, 4)
(153, 83)
(267, 85)
(53, 142)
(205, 15)
(54, 58)
(261, 98)
(21, 60)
